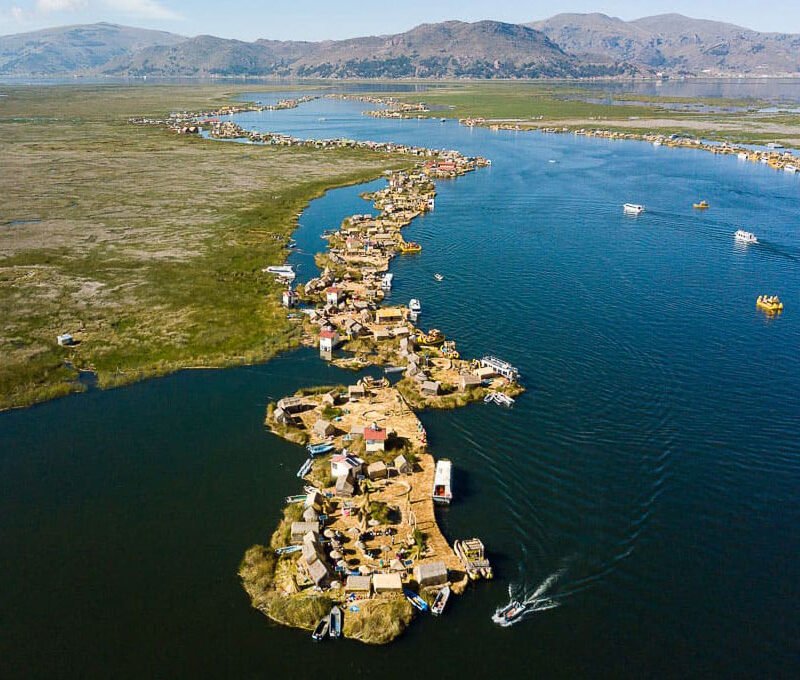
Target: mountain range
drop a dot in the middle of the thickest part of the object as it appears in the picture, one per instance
(564, 46)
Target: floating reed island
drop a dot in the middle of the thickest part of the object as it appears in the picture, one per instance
(775, 156)
(362, 538)
(359, 551)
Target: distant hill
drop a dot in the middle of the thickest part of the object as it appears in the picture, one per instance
(75, 49)
(566, 45)
(486, 49)
(675, 43)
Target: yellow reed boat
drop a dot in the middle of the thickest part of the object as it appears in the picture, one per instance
(770, 304)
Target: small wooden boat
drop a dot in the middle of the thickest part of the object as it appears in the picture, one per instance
(335, 629)
(440, 602)
(319, 449)
(288, 549)
(304, 468)
(322, 629)
(415, 600)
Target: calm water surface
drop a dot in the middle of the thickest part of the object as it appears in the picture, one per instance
(646, 484)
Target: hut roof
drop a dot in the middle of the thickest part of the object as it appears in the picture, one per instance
(359, 583)
(430, 573)
(318, 571)
(302, 528)
(387, 583)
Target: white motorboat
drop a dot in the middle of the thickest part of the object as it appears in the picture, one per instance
(386, 281)
(438, 277)
(414, 305)
(633, 209)
(745, 236)
(437, 608)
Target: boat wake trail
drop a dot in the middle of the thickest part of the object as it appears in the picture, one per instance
(522, 603)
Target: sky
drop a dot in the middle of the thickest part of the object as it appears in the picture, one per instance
(336, 19)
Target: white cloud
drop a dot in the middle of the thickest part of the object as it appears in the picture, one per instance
(149, 9)
(48, 6)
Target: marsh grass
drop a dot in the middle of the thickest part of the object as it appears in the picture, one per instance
(145, 245)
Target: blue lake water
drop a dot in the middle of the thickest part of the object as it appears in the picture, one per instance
(646, 484)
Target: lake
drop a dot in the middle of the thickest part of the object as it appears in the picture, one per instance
(644, 490)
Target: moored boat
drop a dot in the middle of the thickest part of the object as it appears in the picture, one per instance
(442, 484)
(414, 305)
(319, 449)
(386, 281)
(432, 338)
(633, 209)
(335, 622)
(442, 597)
(745, 236)
(321, 631)
(769, 303)
(410, 247)
(415, 600)
(472, 555)
(305, 467)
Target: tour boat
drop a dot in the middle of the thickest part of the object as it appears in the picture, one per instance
(442, 490)
(415, 600)
(437, 609)
(336, 622)
(742, 156)
(386, 281)
(632, 209)
(702, 205)
(438, 277)
(319, 449)
(790, 168)
(769, 303)
(414, 305)
(321, 631)
(510, 613)
(745, 236)
(285, 272)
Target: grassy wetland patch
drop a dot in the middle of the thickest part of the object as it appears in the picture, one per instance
(145, 245)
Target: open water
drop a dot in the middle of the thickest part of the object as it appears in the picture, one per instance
(642, 496)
